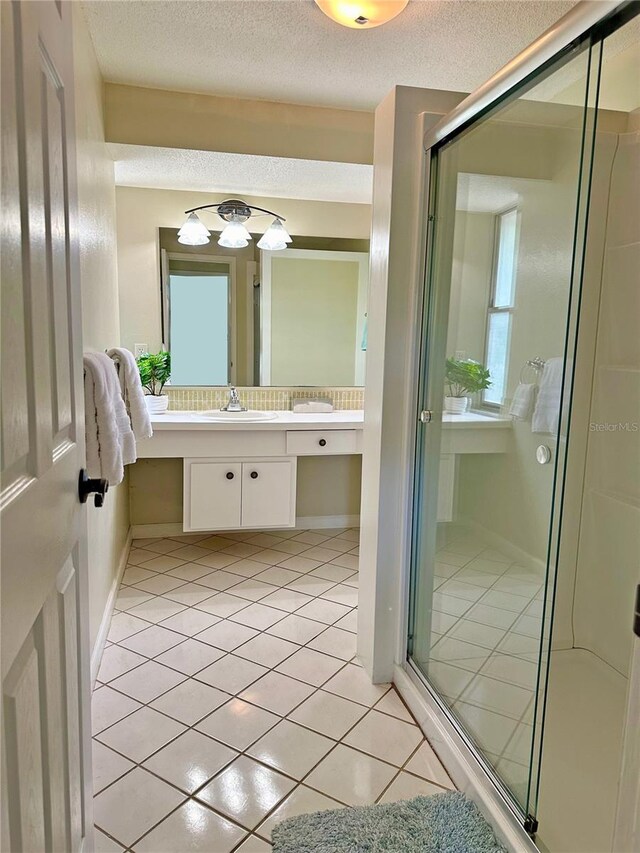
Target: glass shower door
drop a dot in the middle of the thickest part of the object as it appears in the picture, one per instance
(506, 214)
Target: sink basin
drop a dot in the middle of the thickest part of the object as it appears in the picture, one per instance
(238, 417)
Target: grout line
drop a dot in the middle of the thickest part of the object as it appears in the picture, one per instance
(315, 689)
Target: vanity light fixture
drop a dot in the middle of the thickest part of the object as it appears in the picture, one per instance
(194, 232)
(235, 235)
(275, 237)
(362, 14)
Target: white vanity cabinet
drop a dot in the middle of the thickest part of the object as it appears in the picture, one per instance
(243, 475)
(329, 442)
(231, 494)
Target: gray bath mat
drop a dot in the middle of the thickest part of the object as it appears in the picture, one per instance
(442, 823)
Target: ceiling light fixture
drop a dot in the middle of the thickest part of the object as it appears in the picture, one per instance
(235, 235)
(362, 14)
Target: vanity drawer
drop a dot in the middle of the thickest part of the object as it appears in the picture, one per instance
(318, 443)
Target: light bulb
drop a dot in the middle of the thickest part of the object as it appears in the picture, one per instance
(275, 238)
(361, 14)
(234, 236)
(193, 232)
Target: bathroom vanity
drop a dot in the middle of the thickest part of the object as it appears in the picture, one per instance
(239, 471)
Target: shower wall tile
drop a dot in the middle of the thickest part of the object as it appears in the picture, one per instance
(274, 399)
(620, 307)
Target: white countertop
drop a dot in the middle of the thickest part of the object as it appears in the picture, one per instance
(178, 420)
(348, 419)
(475, 419)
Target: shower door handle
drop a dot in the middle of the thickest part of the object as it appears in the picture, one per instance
(425, 416)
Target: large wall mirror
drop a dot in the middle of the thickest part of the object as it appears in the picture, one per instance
(251, 317)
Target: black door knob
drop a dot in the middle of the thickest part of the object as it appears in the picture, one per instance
(88, 485)
(254, 475)
(229, 475)
(322, 442)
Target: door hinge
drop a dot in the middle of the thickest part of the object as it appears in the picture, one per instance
(636, 616)
(530, 824)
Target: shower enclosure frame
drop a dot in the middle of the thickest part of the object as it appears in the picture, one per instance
(588, 20)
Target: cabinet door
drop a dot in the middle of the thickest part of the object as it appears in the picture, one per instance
(268, 494)
(212, 496)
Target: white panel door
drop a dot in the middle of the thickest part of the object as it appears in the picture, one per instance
(268, 493)
(212, 495)
(46, 771)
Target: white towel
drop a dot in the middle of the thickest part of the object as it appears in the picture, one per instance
(132, 392)
(522, 403)
(109, 440)
(546, 415)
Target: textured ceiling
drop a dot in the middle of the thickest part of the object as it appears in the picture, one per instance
(489, 193)
(208, 171)
(287, 50)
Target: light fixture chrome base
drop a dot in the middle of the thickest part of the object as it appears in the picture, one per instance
(234, 210)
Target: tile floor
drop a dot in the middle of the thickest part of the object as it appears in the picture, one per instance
(486, 624)
(229, 696)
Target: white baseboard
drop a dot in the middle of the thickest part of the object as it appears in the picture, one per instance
(502, 544)
(459, 762)
(157, 531)
(308, 522)
(321, 522)
(103, 630)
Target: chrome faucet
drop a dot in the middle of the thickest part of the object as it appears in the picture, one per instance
(234, 404)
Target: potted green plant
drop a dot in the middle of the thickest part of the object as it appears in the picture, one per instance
(155, 370)
(463, 377)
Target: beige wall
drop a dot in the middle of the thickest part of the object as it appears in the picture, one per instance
(155, 491)
(212, 123)
(140, 212)
(107, 527)
(326, 486)
(470, 283)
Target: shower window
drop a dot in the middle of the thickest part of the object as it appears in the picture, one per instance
(501, 306)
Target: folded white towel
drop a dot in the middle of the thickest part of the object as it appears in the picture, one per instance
(109, 440)
(132, 392)
(522, 403)
(546, 415)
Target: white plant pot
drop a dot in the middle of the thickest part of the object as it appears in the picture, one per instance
(157, 405)
(456, 405)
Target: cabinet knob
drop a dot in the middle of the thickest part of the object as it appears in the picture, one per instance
(254, 475)
(322, 442)
(229, 475)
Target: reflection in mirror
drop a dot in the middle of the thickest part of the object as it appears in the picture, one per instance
(197, 320)
(246, 317)
(312, 317)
